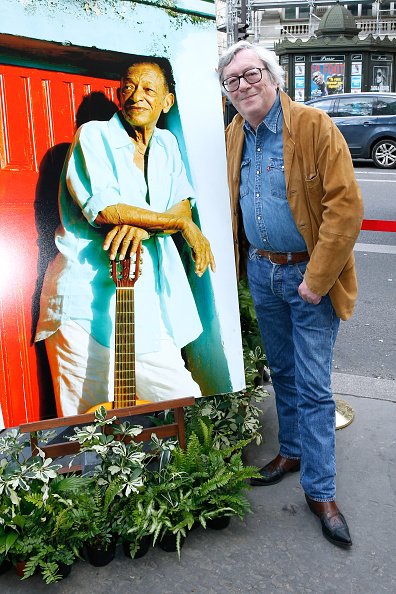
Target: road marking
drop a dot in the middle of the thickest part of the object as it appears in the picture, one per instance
(375, 248)
(376, 172)
(384, 181)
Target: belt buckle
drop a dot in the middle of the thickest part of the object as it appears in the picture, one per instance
(289, 258)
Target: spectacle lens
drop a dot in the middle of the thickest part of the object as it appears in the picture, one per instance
(251, 76)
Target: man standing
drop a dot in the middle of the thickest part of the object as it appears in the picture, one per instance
(123, 182)
(292, 184)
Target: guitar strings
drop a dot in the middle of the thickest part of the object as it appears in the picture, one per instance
(124, 376)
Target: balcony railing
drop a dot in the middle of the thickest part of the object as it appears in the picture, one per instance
(383, 27)
(298, 30)
(366, 26)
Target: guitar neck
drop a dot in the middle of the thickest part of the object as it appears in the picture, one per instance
(124, 363)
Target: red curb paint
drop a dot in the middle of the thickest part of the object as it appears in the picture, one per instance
(378, 225)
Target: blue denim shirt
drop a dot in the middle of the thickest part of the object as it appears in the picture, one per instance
(267, 219)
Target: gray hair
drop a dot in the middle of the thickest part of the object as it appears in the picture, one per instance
(268, 58)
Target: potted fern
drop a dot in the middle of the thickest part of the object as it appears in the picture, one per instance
(50, 537)
(219, 477)
(168, 502)
(197, 485)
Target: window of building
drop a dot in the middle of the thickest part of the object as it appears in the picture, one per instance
(385, 8)
(290, 14)
(353, 8)
(367, 10)
(303, 12)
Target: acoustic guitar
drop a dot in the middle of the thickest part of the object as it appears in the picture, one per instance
(124, 274)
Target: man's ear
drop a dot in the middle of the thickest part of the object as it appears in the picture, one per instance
(168, 102)
(119, 95)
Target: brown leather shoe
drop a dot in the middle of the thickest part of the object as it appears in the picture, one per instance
(274, 471)
(334, 526)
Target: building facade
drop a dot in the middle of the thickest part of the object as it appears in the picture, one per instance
(269, 22)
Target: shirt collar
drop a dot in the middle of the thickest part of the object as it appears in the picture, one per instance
(271, 120)
(120, 137)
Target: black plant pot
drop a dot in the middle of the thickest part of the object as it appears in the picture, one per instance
(5, 566)
(219, 523)
(168, 542)
(64, 570)
(99, 556)
(142, 549)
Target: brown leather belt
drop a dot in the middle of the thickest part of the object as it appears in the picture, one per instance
(284, 258)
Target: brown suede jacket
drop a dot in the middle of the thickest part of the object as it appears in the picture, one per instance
(323, 195)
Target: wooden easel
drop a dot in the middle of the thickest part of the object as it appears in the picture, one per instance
(60, 449)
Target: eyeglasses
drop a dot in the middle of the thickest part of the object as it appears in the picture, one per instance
(252, 76)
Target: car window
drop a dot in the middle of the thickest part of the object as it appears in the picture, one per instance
(326, 105)
(355, 106)
(385, 106)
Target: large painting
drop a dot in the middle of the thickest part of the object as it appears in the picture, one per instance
(60, 105)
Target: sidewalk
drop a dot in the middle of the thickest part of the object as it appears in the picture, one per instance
(279, 549)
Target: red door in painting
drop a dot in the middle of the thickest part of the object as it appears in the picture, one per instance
(38, 110)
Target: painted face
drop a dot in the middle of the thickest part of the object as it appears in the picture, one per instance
(318, 78)
(252, 100)
(143, 95)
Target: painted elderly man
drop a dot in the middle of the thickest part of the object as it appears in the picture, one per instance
(123, 183)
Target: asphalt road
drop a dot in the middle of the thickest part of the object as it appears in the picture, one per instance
(366, 344)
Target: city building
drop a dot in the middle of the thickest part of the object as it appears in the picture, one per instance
(268, 22)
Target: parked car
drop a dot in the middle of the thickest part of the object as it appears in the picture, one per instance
(368, 123)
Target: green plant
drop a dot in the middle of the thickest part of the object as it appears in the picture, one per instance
(235, 416)
(219, 475)
(197, 484)
(139, 517)
(118, 475)
(20, 478)
(251, 338)
(51, 536)
(40, 511)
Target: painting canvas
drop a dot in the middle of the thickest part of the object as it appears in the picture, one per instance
(50, 85)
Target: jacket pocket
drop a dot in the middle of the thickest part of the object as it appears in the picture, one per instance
(314, 187)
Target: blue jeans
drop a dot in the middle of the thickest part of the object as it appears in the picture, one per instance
(299, 338)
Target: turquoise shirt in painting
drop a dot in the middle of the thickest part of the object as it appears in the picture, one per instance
(100, 172)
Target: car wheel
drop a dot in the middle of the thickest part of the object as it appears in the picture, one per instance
(384, 154)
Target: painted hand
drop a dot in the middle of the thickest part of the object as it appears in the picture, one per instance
(200, 248)
(123, 239)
